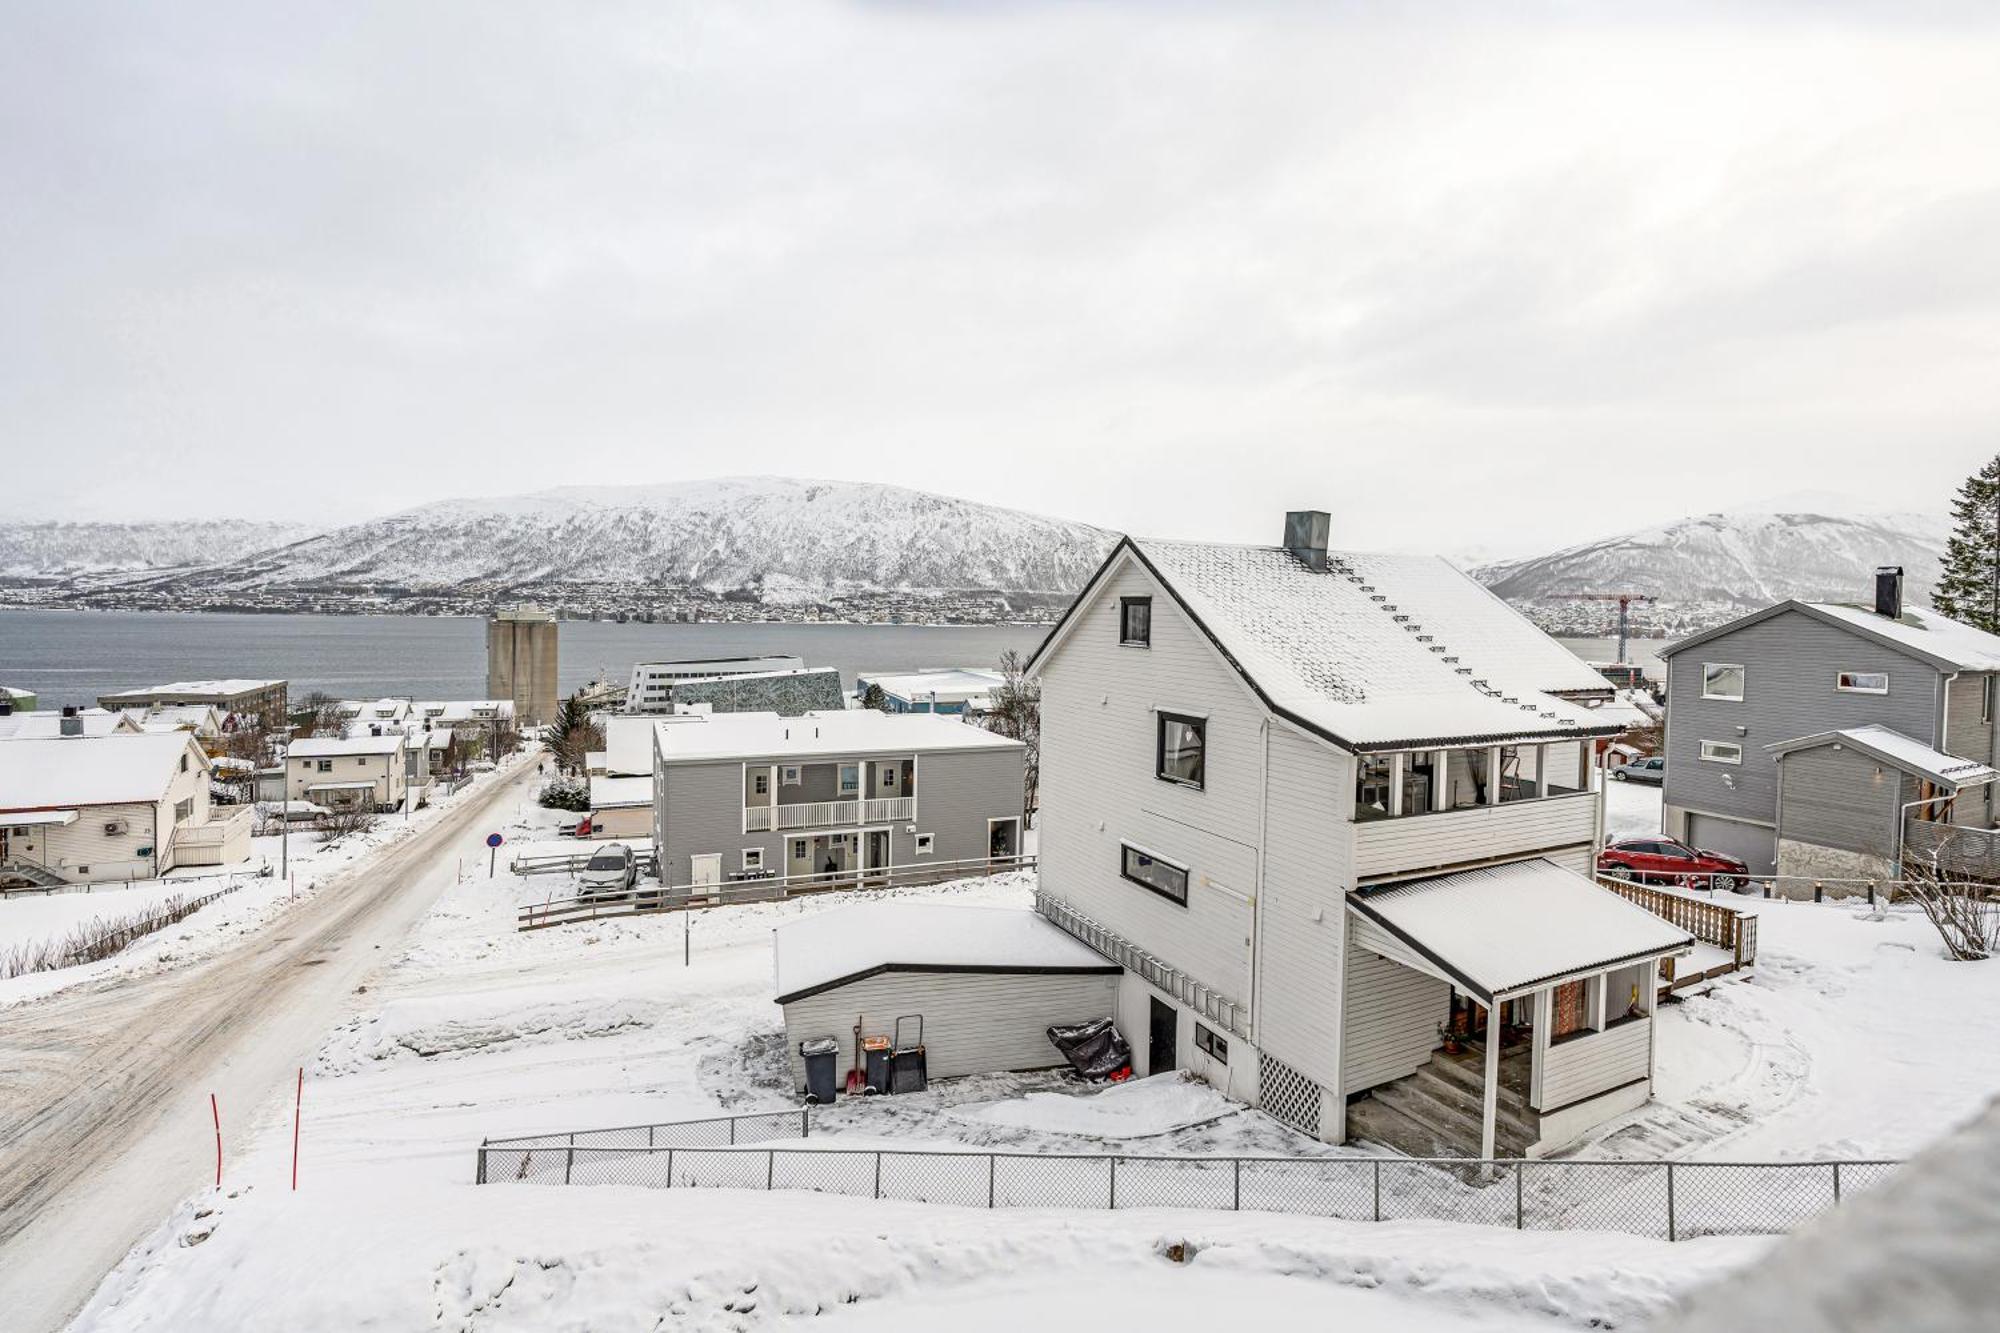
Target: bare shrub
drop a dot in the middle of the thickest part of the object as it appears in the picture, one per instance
(338, 824)
(1965, 915)
(100, 937)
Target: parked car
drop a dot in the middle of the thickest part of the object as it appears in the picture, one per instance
(1651, 769)
(1664, 861)
(611, 869)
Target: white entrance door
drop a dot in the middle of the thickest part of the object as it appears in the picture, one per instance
(707, 869)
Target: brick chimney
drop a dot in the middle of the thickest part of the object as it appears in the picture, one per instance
(1305, 536)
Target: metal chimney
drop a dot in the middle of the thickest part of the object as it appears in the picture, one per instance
(72, 723)
(1306, 532)
(1889, 591)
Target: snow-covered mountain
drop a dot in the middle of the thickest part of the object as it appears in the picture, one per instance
(1709, 567)
(49, 550)
(782, 538)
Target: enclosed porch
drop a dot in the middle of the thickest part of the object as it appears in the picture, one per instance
(1498, 1012)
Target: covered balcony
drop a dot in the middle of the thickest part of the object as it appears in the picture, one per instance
(1423, 810)
(779, 798)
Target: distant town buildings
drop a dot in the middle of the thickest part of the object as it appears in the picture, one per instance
(16, 701)
(521, 662)
(260, 700)
(651, 689)
(958, 690)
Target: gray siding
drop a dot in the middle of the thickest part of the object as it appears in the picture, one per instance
(1970, 736)
(974, 1023)
(1790, 661)
(956, 795)
(1832, 799)
(1098, 785)
(1391, 1017)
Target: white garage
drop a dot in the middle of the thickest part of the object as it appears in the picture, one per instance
(988, 981)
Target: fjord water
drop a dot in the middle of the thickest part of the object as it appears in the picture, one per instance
(71, 657)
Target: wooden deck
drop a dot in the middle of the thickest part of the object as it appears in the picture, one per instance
(1726, 934)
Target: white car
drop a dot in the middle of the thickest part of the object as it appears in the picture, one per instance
(611, 869)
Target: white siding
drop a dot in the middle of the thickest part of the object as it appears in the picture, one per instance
(1454, 837)
(1391, 1019)
(1585, 1066)
(974, 1022)
(1303, 913)
(1098, 785)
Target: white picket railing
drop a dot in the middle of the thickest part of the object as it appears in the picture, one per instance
(822, 814)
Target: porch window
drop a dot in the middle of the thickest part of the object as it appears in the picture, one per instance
(1564, 768)
(1721, 752)
(1862, 682)
(850, 779)
(788, 776)
(1181, 749)
(761, 783)
(1135, 622)
(1162, 877)
(1722, 680)
(1573, 1008)
(1372, 774)
(1520, 772)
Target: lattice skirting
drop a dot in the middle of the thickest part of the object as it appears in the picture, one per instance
(1288, 1096)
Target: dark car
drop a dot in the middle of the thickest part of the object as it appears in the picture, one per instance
(1652, 769)
(1664, 861)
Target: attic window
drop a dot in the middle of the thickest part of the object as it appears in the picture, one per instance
(1135, 622)
(1862, 682)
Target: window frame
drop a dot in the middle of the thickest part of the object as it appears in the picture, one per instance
(1743, 676)
(1211, 1043)
(1708, 756)
(925, 844)
(1125, 605)
(841, 787)
(1199, 724)
(1126, 849)
(1841, 686)
(753, 858)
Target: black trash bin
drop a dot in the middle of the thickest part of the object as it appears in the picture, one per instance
(821, 1055)
(909, 1070)
(875, 1050)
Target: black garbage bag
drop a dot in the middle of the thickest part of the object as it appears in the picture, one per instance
(1094, 1049)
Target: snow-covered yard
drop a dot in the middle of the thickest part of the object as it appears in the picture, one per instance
(1854, 1036)
(1631, 809)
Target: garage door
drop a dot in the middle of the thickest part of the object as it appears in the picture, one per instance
(1755, 844)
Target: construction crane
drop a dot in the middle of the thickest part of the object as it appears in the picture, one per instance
(1624, 600)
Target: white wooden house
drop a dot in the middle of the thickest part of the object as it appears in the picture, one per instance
(1334, 812)
(348, 772)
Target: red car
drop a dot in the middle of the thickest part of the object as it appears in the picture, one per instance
(1664, 861)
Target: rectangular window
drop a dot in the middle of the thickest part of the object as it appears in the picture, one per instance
(1721, 752)
(1162, 877)
(753, 858)
(925, 841)
(761, 783)
(788, 776)
(1721, 680)
(850, 779)
(1135, 621)
(184, 810)
(798, 849)
(1209, 1044)
(1182, 743)
(1862, 682)
(325, 765)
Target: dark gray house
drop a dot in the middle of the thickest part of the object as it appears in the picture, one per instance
(1779, 722)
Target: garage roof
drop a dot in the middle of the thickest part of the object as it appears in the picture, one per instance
(1505, 929)
(1900, 751)
(829, 949)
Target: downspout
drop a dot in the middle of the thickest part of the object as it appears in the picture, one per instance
(1257, 895)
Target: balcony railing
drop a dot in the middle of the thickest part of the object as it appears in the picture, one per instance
(1953, 850)
(826, 814)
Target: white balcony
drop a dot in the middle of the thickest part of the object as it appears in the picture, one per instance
(827, 814)
(1385, 847)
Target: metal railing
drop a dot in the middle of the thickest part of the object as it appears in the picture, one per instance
(1952, 849)
(570, 863)
(1667, 1200)
(817, 814)
(771, 888)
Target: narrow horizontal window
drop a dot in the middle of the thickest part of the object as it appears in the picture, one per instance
(1862, 682)
(1721, 680)
(1162, 877)
(1181, 751)
(1135, 621)
(1721, 752)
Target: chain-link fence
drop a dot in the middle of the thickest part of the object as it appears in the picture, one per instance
(1667, 1200)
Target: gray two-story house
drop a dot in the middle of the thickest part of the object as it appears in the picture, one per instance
(1334, 814)
(1825, 740)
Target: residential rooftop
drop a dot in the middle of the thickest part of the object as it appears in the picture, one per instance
(690, 737)
(823, 950)
(1938, 639)
(90, 770)
(326, 747)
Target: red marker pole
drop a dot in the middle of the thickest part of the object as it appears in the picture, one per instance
(216, 1111)
(298, 1105)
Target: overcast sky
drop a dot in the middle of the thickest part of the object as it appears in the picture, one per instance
(1161, 267)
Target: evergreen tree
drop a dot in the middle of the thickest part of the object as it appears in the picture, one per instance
(573, 735)
(875, 697)
(1970, 588)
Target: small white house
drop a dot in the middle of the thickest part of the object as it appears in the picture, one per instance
(349, 772)
(86, 809)
(988, 983)
(71, 722)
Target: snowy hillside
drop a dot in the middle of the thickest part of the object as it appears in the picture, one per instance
(1709, 567)
(783, 538)
(55, 549)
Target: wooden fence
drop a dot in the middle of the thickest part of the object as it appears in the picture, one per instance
(696, 897)
(1722, 925)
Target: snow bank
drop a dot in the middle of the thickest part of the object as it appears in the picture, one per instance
(1138, 1109)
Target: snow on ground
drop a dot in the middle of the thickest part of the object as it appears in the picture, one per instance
(1631, 810)
(258, 900)
(1853, 1036)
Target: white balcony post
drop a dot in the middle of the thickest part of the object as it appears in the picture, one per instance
(1396, 784)
(1441, 781)
(1492, 775)
(1490, 1111)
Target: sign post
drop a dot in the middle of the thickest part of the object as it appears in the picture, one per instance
(493, 841)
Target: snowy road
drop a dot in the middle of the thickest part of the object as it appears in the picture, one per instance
(104, 1088)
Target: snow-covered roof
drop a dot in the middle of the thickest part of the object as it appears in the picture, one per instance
(1378, 651)
(1900, 751)
(197, 717)
(40, 726)
(214, 687)
(829, 949)
(326, 747)
(91, 770)
(1939, 640)
(952, 684)
(854, 731)
(608, 793)
(1504, 928)
(380, 710)
(464, 710)
(628, 744)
